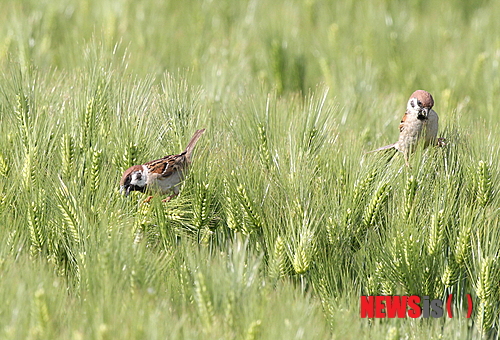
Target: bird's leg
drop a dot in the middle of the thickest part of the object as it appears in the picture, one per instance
(169, 198)
(147, 200)
(441, 142)
(406, 160)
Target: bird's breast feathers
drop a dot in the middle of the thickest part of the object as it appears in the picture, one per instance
(164, 184)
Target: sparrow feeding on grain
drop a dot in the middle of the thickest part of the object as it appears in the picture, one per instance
(162, 175)
(420, 121)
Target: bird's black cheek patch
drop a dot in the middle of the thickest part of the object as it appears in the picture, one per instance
(132, 187)
(138, 188)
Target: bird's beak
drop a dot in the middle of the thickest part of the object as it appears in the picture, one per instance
(425, 111)
(124, 190)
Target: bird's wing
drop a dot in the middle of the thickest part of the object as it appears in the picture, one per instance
(403, 120)
(166, 166)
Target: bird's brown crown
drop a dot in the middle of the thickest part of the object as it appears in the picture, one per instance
(424, 97)
(127, 173)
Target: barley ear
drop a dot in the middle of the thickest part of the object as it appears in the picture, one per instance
(375, 205)
(436, 233)
(67, 207)
(203, 302)
(41, 312)
(484, 186)
(67, 155)
(487, 291)
(34, 226)
(253, 330)
(4, 166)
(304, 252)
(264, 154)
(409, 193)
(249, 209)
(280, 264)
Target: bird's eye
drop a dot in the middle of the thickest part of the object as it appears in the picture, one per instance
(419, 103)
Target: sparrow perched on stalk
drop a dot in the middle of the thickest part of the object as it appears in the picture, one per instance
(420, 121)
(162, 175)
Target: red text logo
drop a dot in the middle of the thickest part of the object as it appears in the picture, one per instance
(412, 306)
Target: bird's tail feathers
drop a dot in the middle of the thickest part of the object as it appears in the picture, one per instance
(190, 147)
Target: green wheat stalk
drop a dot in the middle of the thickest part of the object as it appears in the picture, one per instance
(375, 205)
(4, 166)
(229, 309)
(248, 208)
(95, 170)
(67, 155)
(203, 302)
(41, 311)
(304, 252)
(450, 274)
(35, 230)
(463, 246)
(29, 169)
(361, 187)
(202, 207)
(326, 300)
(23, 114)
(87, 124)
(229, 211)
(253, 330)
(281, 263)
(67, 206)
(265, 156)
(10, 241)
(436, 233)
(487, 291)
(331, 231)
(143, 219)
(484, 186)
(130, 156)
(409, 193)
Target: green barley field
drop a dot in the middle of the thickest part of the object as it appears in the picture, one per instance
(284, 221)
